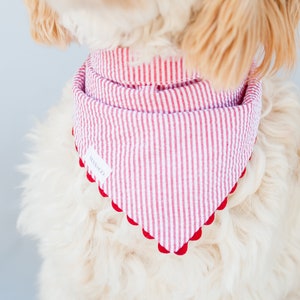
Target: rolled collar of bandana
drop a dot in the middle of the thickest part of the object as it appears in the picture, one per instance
(162, 144)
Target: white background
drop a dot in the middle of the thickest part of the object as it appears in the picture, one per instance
(31, 80)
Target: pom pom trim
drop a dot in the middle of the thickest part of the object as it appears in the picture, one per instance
(197, 235)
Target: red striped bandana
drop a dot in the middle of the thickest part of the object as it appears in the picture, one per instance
(162, 144)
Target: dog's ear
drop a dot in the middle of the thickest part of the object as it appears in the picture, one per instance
(45, 26)
(223, 38)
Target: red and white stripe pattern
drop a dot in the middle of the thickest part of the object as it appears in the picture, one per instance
(175, 146)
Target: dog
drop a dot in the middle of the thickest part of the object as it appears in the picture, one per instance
(194, 140)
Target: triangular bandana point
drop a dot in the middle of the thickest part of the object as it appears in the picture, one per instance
(159, 141)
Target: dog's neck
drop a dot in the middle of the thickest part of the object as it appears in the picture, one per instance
(114, 77)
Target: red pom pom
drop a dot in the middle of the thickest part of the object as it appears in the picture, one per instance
(197, 235)
(223, 204)
(243, 173)
(102, 193)
(182, 250)
(90, 178)
(81, 163)
(116, 207)
(162, 249)
(132, 222)
(147, 235)
(233, 189)
(210, 220)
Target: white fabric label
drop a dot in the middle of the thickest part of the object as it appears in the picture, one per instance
(96, 165)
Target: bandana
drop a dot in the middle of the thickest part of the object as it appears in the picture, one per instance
(161, 143)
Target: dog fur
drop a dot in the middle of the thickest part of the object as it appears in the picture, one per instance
(252, 250)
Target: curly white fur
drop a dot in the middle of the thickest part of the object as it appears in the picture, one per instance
(91, 252)
(150, 27)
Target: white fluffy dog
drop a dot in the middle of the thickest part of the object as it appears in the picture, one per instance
(252, 249)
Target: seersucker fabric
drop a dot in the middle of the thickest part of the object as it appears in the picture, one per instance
(162, 143)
